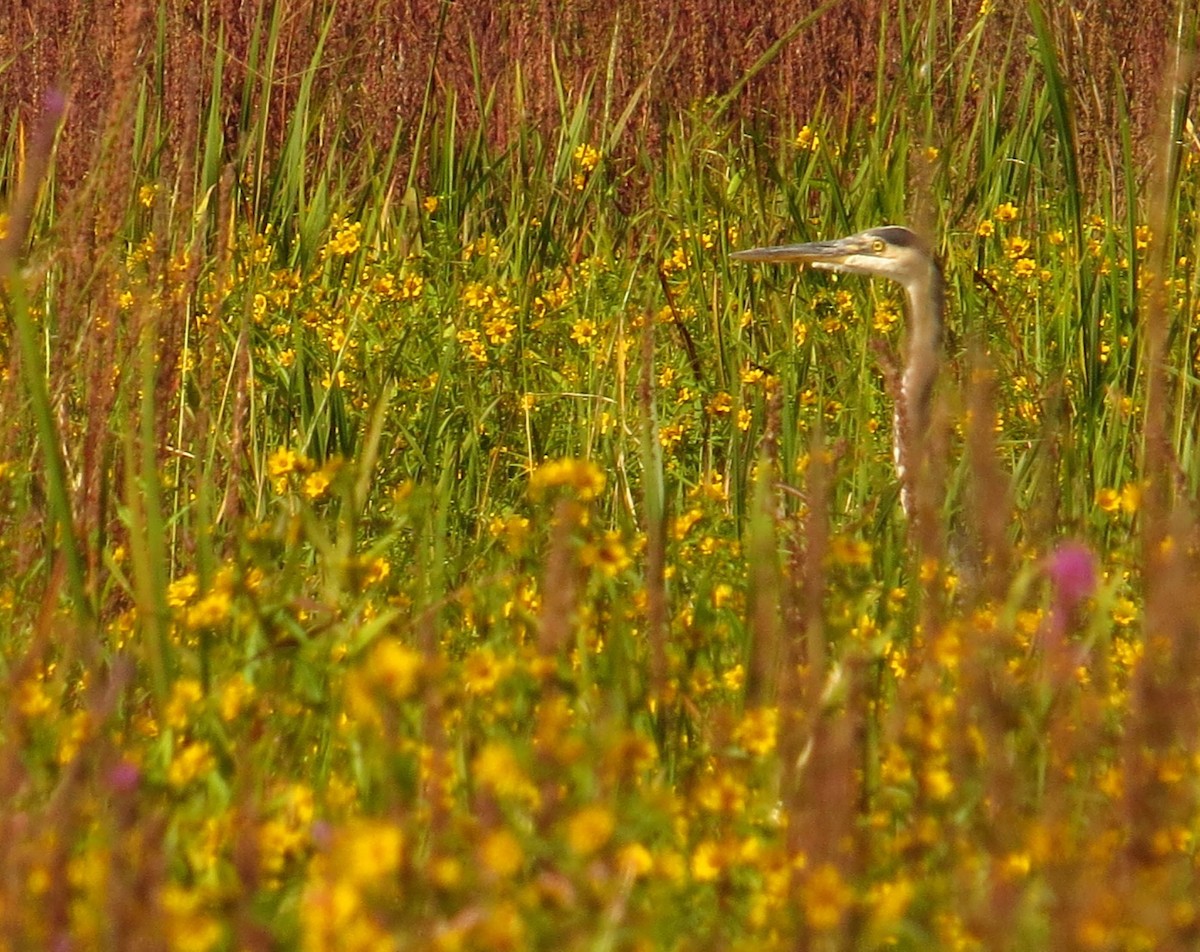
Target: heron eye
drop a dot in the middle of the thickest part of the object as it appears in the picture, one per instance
(878, 245)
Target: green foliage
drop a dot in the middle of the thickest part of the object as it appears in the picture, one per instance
(477, 557)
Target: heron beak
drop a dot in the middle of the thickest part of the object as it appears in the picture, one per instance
(817, 253)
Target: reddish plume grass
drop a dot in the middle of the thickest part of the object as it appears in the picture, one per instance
(393, 55)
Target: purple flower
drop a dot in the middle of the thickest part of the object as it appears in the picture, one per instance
(124, 777)
(1072, 570)
(54, 102)
(322, 834)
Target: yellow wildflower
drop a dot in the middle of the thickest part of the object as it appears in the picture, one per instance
(1006, 212)
(234, 695)
(182, 590)
(634, 860)
(706, 862)
(1016, 246)
(1024, 267)
(587, 157)
(188, 927)
(192, 761)
(210, 611)
(501, 854)
(496, 768)
(583, 476)
(371, 850)
(185, 698)
(589, 829)
(584, 332)
(395, 667)
(758, 729)
(345, 240)
(825, 898)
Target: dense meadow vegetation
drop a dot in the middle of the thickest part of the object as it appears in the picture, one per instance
(469, 555)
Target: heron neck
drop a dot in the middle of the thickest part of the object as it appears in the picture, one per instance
(925, 303)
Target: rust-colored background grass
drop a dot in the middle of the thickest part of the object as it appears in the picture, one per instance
(383, 56)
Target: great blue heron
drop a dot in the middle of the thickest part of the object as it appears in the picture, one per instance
(899, 254)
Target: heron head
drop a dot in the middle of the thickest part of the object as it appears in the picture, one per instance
(890, 251)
